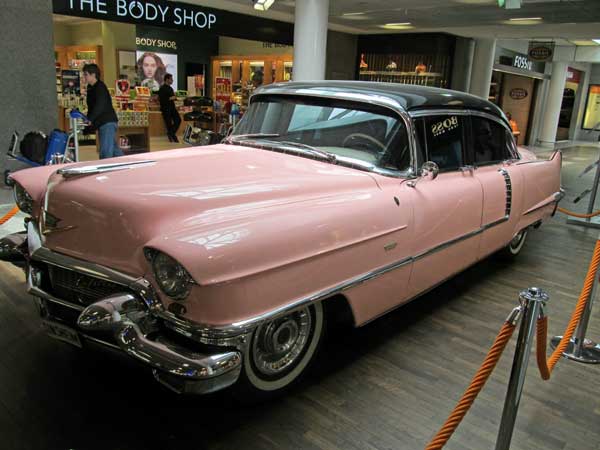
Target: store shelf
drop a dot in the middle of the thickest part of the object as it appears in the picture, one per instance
(392, 73)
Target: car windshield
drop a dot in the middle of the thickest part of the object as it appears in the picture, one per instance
(339, 131)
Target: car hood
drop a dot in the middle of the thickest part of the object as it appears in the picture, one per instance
(219, 210)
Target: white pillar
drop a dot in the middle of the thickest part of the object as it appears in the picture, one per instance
(553, 104)
(310, 39)
(483, 64)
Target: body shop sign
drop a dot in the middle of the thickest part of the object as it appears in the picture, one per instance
(154, 12)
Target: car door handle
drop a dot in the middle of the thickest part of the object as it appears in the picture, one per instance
(468, 169)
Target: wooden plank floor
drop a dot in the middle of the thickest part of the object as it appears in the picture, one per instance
(389, 385)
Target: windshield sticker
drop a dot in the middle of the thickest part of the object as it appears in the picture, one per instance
(444, 126)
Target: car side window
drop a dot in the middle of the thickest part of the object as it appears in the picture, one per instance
(444, 140)
(489, 141)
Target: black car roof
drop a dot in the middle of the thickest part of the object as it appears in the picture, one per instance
(408, 97)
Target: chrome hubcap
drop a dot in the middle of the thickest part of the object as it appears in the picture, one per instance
(277, 345)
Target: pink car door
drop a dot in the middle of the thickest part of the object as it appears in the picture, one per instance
(489, 152)
(447, 210)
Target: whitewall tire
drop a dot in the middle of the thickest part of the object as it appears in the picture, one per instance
(515, 245)
(281, 351)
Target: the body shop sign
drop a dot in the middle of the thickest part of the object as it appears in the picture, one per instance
(151, 12)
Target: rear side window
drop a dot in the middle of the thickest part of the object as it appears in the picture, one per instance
(444, 137)
(489, 141)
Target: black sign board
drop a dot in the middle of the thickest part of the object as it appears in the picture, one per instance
(178, 15)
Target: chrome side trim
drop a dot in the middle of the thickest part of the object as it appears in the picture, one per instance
(69, 172)
(495, 223)
(537, 161)
(447, 244)
(557, 197)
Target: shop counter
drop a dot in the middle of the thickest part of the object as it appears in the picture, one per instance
(157, 124)
(139, 139)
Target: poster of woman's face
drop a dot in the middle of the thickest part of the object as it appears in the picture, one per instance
(151, 68)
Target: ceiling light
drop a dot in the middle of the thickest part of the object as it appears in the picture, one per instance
(263, 5)
(585, 42)
(521, 19)
(397, 26)
(353, 14)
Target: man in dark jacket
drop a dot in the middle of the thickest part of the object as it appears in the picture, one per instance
(101, 112)
(167, 107)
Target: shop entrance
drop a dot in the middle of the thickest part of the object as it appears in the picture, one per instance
(570, 93)
(213, 75)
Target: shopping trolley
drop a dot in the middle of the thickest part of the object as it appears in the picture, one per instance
(56, 153)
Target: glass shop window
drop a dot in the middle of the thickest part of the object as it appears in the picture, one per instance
(489, 141)
(444, 139)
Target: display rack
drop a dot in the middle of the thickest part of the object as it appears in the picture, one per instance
(419, 69)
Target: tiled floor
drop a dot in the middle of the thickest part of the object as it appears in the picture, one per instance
(388, 385)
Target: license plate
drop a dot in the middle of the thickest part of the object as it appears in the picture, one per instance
(61, 332)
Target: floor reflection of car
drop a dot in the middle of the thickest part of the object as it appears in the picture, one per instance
(222, 265)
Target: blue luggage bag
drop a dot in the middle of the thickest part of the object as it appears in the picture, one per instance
(57, 144)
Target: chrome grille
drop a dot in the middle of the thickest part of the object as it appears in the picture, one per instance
(78, 288)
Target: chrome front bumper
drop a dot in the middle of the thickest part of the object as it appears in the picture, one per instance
(131, 320)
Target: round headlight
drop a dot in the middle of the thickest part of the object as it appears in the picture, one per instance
(171, 277)
(23, 199)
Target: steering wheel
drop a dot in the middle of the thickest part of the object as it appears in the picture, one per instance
(366, 137)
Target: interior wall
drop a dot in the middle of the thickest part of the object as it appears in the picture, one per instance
(62, 34)
(340, 62)
(519, 108)
(115, 36)
(89, 33)
(235, 46)
(29, 100)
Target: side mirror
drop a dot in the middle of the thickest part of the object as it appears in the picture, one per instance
(430, 170)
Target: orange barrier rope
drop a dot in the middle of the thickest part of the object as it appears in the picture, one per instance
(477, 383)
(580, 215)
(546, 366)
(9, 215)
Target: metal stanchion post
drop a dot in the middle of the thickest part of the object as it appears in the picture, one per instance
(532, 301)
(581, 349)
(592, 222)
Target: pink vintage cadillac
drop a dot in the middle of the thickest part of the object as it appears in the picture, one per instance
(221, 265)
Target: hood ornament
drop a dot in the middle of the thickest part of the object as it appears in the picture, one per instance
(69, 172)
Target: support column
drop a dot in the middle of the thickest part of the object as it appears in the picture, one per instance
(483, 64)
(463, 64)
(29, 98)
(310, 39)
(553, 103)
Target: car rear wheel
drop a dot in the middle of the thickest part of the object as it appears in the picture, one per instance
(281, 351)
(516, 245)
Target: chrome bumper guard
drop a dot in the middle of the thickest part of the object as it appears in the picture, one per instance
(131, 319)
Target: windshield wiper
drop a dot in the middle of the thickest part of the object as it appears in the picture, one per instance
(327, 155)
(233, 138)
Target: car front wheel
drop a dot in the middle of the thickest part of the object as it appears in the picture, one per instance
(281, 351)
